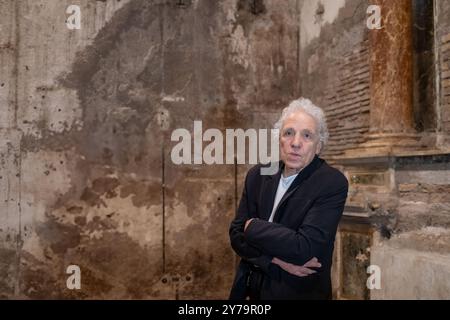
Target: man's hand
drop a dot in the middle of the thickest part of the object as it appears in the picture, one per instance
(300, 271)
(247, 223)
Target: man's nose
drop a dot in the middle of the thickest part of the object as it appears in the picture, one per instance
(296, 141)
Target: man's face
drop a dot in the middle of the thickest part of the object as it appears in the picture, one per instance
(299, 141)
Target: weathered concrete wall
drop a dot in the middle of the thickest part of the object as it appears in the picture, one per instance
(86, 175)
(415, 261)
(414, 265)
(423, 186)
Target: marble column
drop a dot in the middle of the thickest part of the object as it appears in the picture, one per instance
(391, 67)
(391, 82)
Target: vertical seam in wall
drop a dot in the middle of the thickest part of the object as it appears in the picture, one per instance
(235, 185)
(236, 199)
(163, 190)
(19, 236)
(16, 62)
(8, 192)
(18, 154)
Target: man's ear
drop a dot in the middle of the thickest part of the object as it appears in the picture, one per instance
(319, 147)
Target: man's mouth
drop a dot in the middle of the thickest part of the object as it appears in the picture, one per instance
(295, 155)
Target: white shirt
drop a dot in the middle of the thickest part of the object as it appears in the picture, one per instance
(283, 186)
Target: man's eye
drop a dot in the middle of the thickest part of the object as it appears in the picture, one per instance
(288, 133)
(308, 135)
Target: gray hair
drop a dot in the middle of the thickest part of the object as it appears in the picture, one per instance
(314, 111)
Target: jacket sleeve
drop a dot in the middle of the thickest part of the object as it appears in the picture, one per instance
(313, 237)
(239, 244)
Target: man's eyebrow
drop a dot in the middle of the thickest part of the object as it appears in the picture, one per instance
(303, 130)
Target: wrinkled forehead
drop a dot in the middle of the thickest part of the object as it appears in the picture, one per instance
(299, 121)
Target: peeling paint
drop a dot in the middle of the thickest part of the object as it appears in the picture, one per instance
(316, 13)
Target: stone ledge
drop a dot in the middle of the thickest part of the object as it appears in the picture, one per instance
(428, 239)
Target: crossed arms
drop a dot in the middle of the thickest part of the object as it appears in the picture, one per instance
(265, 243)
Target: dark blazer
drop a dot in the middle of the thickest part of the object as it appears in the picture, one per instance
(304, 227)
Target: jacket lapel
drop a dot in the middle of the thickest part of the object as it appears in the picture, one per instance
(268, 193)
(302, 176)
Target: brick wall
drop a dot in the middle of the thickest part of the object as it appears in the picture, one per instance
(347, 101)
(335, 76)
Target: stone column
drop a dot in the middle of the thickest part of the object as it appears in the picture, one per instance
(391, 81)
(391, 67)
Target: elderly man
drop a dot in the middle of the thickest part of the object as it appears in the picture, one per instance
(286, 223)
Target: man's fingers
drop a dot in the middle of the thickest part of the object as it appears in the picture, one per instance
(307, 271)
(276, 260)
(300, 271)
(304, 272)
(313, 263)
(296, 270)
(247, 223)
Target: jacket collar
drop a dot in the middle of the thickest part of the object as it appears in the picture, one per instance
(269, 189)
